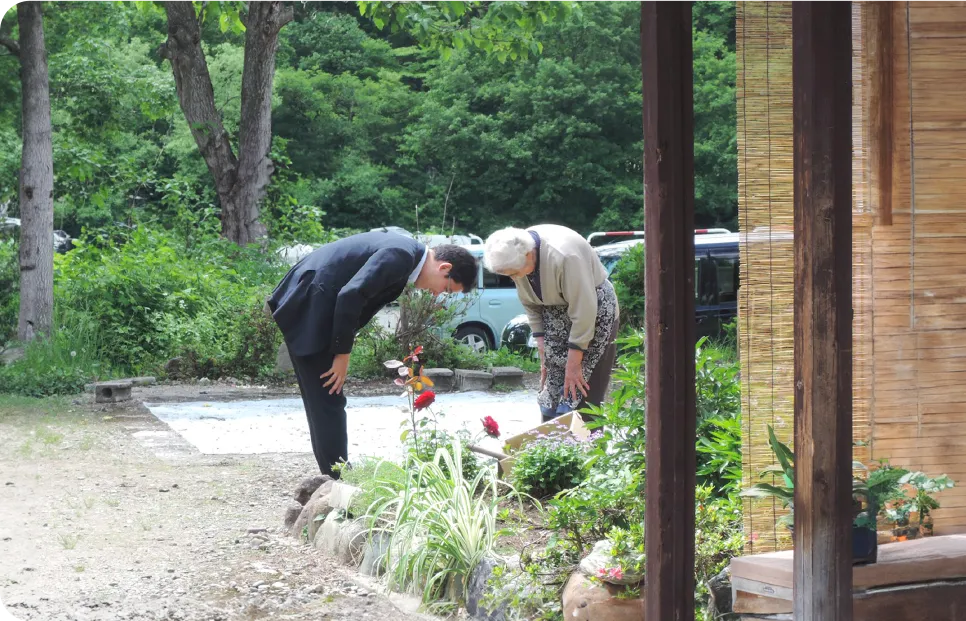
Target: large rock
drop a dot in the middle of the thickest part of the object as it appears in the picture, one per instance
(351, 544)
(175, 368)
(317, 508)
(308, 487)
(324, 490)
(292, 514)
(477, 588)
(11, 355)
(326, 539)
(374, 556)
(599, 559)
(720, 601)
(283, 362)
(584, 600)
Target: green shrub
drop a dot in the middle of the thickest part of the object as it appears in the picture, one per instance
(154, 297)
(628, 279)
(503, 357)
(374, 478)
(548, 466)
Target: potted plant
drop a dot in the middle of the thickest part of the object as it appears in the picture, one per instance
(864, 539)
(914, 494)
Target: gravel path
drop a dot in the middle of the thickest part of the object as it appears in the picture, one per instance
(95, 526)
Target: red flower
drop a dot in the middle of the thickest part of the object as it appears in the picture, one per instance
(490, 427)
(425, 400)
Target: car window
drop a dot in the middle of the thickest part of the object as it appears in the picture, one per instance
(496, 281)
(727, 272)
(716, 278)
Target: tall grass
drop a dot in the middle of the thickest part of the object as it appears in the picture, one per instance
(61, 364)
(441, 525)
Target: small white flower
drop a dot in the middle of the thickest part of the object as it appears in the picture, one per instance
(73, 354)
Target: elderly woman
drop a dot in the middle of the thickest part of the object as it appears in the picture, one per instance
(571, 306)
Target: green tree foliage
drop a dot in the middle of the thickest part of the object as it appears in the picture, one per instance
(368, 125)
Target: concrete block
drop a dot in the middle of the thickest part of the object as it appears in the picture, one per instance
(473, 380)
(508, 376)
(341, 495)
(442, 379)
(112, 392)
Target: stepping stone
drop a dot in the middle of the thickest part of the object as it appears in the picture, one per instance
(508, 376)
(473, 380)
(112, 392)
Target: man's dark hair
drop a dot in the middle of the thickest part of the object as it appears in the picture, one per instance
(464, 271)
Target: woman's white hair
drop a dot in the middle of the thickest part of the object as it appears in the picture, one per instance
(506, 250)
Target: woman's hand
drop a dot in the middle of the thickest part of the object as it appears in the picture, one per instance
(543, 364)
(336, 375)
(574, 384)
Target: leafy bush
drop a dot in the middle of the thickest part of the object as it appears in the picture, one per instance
(366, 474)
(628, 279)
(548, 466)
(154, 297)
(503, 357)
(609, 502)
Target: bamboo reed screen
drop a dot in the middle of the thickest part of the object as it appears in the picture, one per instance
(766, 218)
(909, 270)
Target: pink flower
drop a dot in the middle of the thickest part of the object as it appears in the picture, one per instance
(424, 400)
(616, 573)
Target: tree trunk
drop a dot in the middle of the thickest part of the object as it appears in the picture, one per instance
(240, 183)
(36, 181)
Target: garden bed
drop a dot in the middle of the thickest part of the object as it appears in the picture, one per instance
(560, 531)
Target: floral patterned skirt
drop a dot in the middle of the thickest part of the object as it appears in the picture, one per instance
(556, 323)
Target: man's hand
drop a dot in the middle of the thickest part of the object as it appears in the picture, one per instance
(336, 375)
(574, 384)
(543, 364)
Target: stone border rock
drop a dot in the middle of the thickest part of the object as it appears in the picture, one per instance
(323, 519)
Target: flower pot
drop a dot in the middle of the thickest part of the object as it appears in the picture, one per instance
(865, 545)
(905, 532)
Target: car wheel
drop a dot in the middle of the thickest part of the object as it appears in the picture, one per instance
(476, 338)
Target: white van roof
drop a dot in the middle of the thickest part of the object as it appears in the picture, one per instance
(700, 240)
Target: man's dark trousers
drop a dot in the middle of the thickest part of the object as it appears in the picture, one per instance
(325, 412)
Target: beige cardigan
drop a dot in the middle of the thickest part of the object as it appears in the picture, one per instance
(570, 272)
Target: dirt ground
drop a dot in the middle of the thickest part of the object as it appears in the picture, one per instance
(94, 526)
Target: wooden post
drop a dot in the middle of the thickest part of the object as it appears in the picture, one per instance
(666, 66)
(822, 92)
(881, 106)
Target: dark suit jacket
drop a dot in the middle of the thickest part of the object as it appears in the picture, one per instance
(333, 292)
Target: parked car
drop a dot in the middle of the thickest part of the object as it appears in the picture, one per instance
(716, 271)
(10, 228)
